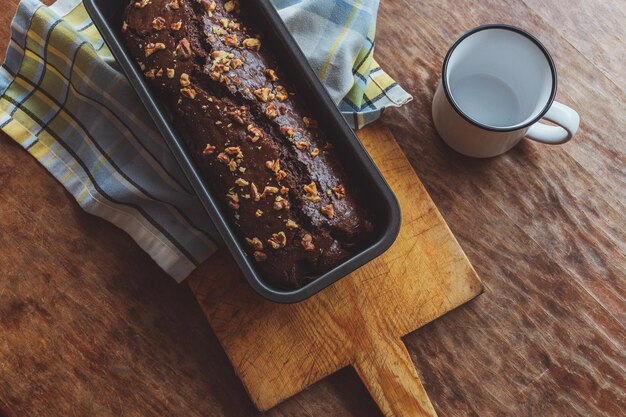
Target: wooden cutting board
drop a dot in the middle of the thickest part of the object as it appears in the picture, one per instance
(279, 350)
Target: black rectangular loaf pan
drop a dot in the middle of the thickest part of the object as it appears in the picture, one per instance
(107, 16)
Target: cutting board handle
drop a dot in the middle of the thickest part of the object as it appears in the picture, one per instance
(386, 369)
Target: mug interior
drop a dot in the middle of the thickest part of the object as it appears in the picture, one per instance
(500, 77)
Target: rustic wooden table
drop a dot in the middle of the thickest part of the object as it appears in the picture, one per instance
(89, 325)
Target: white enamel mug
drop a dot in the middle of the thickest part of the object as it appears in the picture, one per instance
(497, 82)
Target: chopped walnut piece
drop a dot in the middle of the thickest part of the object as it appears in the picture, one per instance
(209, 149)
(231, 39)
(278, 240)
(269, 190)
(310, 123)
(274, 165)
(158, 23)
(241, 182)
(281, 203)
(307, 242)
(311, 190)
(291, 224)
(188, 92)
(222, 157)
(252, 43)
(281, 175)
(284, 190)
(217, 70)
(183, 49)
(174, 5)
(258, 213)
(315, 152)
(231, 6)
(237, 114)
(236, 63)
(234, 150)
(281, 93)
(159, 72)
(217, 55)
(340, 191)
(232, 165)
(233, 200)
(260, 256)
(150, 73)
(224, 23)
(171, 73)
(124, 26)
(303, 145)
(328, 210)
(254, 133)
(140, 4)
(288, 131)
(271, 74)
(176, 25)
(262, 94)
(233, 196)
(271, 111)
(208, 6)
(255, 243)
(184, 80)
(153, 47)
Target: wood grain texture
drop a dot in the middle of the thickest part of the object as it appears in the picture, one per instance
(278, 350)
(90, 326)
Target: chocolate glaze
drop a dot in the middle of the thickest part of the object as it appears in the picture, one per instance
(209, 64)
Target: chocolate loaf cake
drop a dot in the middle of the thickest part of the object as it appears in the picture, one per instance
(251, 135)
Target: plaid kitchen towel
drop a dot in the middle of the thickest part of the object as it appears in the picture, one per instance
(63, 99)
(337, 38)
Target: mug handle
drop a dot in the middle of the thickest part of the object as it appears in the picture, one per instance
(567, 119)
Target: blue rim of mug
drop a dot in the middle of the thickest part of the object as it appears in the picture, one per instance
(476, 122)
